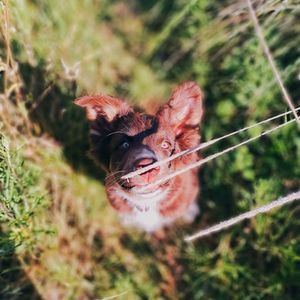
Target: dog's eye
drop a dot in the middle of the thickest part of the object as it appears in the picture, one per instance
(165, 145)
(124, 145)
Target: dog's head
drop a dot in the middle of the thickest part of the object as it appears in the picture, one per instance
(124, 140)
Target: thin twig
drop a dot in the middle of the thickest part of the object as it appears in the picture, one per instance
(115, 296)
(248, 215)
(211, 157)
(270, 58)
(12, 81)
(202, 146)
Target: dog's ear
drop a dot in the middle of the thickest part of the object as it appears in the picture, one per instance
(184, 109)
(103, 106)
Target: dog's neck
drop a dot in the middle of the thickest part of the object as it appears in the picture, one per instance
(144, 201)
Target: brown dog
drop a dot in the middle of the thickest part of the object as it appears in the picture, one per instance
(123, 140)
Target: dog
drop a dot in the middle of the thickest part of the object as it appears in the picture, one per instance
(123, 140)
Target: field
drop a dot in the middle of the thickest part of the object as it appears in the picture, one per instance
(59, 237)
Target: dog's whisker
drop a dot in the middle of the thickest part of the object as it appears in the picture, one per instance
(114, 174)
(111, 179)
(115, 132)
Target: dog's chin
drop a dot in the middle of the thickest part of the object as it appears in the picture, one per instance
(137, 189)
(140, 189)
(146, 192)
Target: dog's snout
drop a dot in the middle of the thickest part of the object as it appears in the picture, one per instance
(145, 159)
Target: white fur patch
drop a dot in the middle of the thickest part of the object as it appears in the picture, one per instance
(148, 221)
(143, 201)
(191, 213)
(146, 214)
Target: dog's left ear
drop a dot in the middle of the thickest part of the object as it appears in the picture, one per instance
(184, 110)
(107, 107)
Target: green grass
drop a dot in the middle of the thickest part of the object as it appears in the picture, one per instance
(20, 200)
(59, 238)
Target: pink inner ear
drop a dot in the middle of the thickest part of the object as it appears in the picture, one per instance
(106, 106)
(179, 130)
(187, 100)
(91, 104)
(184, 108)
(86, 101)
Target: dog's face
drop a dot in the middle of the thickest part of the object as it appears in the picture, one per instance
(124, 140)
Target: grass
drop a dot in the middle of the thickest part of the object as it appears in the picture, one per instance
(20, 200)
(59, 237)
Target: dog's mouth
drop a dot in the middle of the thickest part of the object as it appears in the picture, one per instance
(137, 187)
(147, 193)
(150, 175)
(143, 179)
(143, 190)
(138, 184)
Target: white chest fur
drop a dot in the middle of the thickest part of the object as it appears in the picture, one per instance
(145, 215)
(148, 221)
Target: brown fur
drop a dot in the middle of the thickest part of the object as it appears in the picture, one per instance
(175, 127)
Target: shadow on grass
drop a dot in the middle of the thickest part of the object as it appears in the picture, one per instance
(52, 108)
(14, 283)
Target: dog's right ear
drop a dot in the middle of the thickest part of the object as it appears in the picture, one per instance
(103, 106)
(184, 110)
